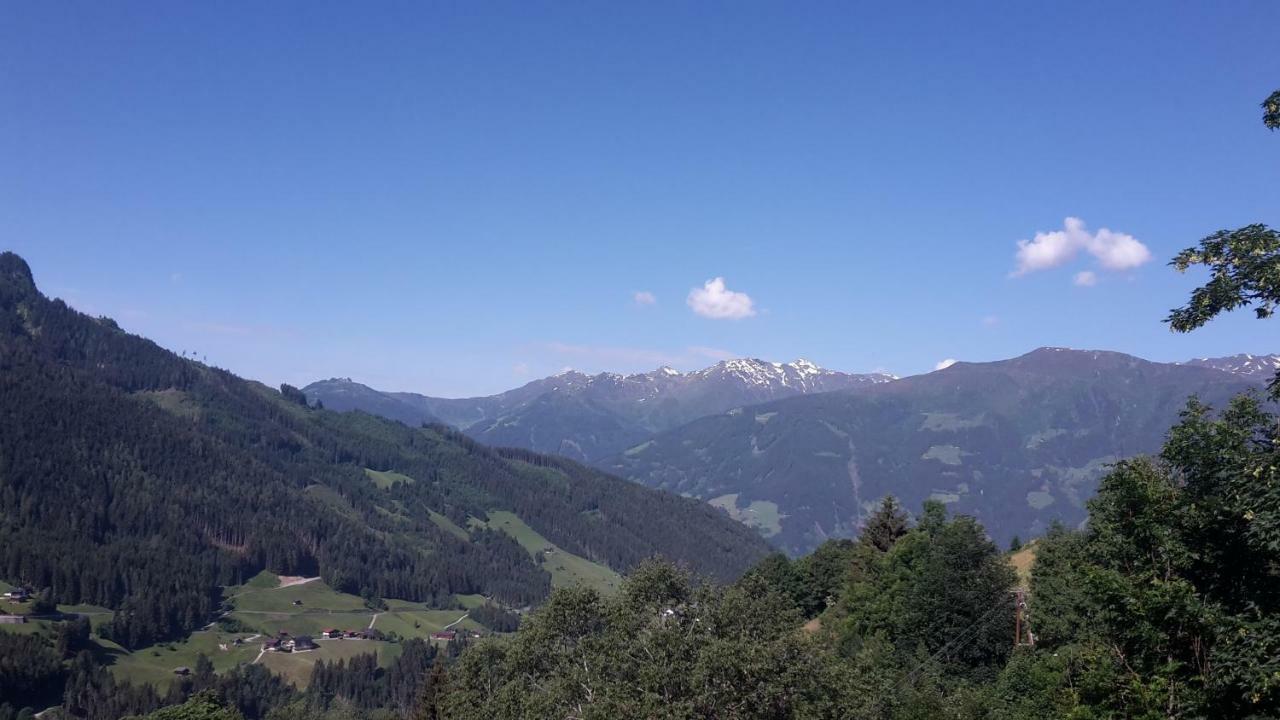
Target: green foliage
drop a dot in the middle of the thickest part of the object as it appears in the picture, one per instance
(942, 592)
(203, 706)
(293, 394)
(29, 670)
(1061, 605)
(1244, 267)
(430, 701)
(1174, 590)
(662, 648)
(495, 618)
(1245, 270)
(815, 581)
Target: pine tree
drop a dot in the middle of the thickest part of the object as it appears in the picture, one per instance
(433, 690)
(887, 525)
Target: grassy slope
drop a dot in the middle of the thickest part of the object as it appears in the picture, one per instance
(155, 664)
(267, 608)
(296, 667)
(759, 514)
(271, 609)
(448, 525)
(386, 478)
(566, 568)
(1022, 561)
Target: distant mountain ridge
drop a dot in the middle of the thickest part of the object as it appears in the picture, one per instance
(1017, 443)
(803, 453)
(587, 417)
(1259, 366)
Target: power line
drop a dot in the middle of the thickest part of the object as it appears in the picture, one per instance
(965, 636)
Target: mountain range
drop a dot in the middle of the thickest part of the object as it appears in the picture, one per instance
(590, 417)
(1016, 443)
(803, 454)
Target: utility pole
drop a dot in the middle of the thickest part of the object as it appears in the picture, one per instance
(1021, 620)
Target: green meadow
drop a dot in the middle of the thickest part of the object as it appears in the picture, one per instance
(566, 569)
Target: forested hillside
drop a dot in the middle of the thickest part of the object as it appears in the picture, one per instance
(142, 481)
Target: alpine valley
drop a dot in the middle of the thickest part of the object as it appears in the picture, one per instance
(805, 454)
(145, 484)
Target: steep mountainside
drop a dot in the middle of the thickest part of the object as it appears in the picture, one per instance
(142, 481)
(587, 417)
(1263, 367)
(1017, 443)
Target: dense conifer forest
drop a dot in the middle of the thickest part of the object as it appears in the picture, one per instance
(142, 481)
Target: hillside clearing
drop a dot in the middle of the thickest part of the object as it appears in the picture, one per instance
(567, 569)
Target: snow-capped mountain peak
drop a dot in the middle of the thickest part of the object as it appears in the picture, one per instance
(804, 367)
(1261, 366)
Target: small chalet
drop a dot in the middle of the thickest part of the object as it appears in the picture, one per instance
(17, 595)
(271, 644)
(303, 642)
(13, 619)
(444, 635)
(297, 602)
(183, 671)
(333, 633)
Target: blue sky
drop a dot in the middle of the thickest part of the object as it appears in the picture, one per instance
(456, 198)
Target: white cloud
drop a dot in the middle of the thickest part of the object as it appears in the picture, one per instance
(520, 369)
(713, 300)
(644, 297)
(991, 321)
(1118, 251)
(944, 364)
(1087, 278)
(1112, 250)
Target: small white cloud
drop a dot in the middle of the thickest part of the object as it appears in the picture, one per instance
(1118, 251)
(1112, 250)
(521, 369)
(944, 364)
(644, 297)
(714, 300)
(1087, 278)
(990, 321)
